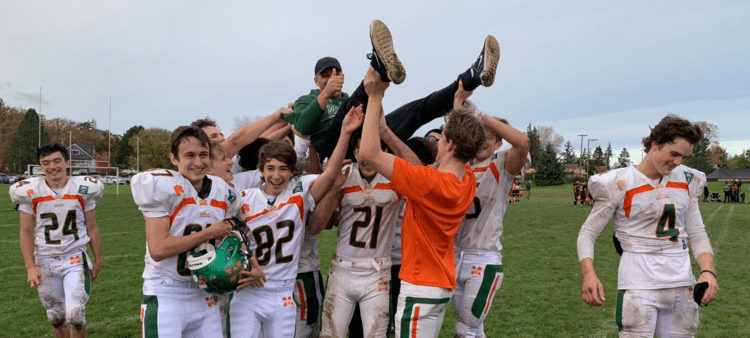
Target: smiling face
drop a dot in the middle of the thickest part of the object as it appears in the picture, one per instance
(276, 174)
(193, 160)
(54, 166)
(664, 158)
(221, 166)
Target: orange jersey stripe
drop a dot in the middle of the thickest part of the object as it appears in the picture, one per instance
(414, 318)
(293, 200)
(627, 205)
(679, 185)
(492, 294)
(302, 305)
(379, 186)
(40, 200)
(219, 204)
(493, 168)
(182, 204)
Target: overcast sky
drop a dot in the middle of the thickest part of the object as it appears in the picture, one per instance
(605, 69)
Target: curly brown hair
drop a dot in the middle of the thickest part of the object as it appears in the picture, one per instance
(207, 122)
(466, 132)
(279, 150)
(670, 128)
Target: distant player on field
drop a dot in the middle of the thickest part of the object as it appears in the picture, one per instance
(275, 215)
(58, 219)
(478, 259)
(182, 209)
(438, 199)
(654, 207)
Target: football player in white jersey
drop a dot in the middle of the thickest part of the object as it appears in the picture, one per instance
(479, 266)
(182, 209)
(361, 267)
(57, 220)
(654, 207)
(275, 215)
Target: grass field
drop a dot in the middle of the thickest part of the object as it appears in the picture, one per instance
(539, 297)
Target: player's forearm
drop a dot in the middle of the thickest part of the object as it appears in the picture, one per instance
(319, 217)
(174, 245)
(26, 239)
(306, 115)
(335, 162)
(370, 144)
(399, 148)
(706, 262)
(315, 167)
(249, 133)
(95, 242)
(587, 267)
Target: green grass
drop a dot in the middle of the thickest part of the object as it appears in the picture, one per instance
(539, 297)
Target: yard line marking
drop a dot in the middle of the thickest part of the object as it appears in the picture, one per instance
(110, 322)
(731, 209)
(711, 216)
(120, 233)
(9, 241)
(9, 225)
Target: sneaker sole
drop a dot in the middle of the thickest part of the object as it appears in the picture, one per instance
(491, 58)
(382, 42)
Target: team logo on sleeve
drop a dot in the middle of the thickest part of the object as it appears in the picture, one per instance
(30, 192)
(231, 197)
(298, 188)
(688, 177)
(83, 190)
(179, 190)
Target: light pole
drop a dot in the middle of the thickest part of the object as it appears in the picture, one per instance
(70, 149)
(580, 158)
(589, 155)
(137, 153)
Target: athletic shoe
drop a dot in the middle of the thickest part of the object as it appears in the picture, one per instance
(383, 57)
(483, 70)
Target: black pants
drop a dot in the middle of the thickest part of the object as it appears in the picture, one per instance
(404, 121)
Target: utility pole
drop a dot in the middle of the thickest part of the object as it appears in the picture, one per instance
(40, 117)
(137, 153)
(109, 131)
(580, 158)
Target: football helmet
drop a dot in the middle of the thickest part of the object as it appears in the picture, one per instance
(217, 270)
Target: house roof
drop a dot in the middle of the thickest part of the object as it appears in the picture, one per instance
(721, 174)
(84, 153)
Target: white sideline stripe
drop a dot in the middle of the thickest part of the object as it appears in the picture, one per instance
(120, 233)
(9, 241)
(104, 257)
(10, 225)
(711, 216)
(121, 320)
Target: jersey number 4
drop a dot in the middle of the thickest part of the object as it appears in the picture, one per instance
(69, 226)
(666, 225)
(264, 237)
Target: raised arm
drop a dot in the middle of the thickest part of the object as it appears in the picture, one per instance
(318, 219)
(252, 131)
(399, 148)
(352, 121)
(369, 148)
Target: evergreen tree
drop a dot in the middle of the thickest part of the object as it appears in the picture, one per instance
(608, 154)
(598, 159)
(700, 158)
(25, 142)
(624, 159)
(569, 156)
(154, 149)
(535, 146)
(549, 170)
(124, 151)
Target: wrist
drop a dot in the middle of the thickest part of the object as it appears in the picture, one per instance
(710, 272)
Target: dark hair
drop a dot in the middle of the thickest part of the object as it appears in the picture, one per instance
(216, 147)
(279, 150)
(249, 154)
(436, 130)
(425, 149)
(466, 132)
(51, 149)
(670, 128)
(207, 122)
(183, 132)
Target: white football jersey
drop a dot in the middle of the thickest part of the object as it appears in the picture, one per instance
(166, 193)
(246, 180)
(60, 226)
(368, 216)
(277, 229)
(396, 247)
(308, 254)
(482, 227)
(651, 218)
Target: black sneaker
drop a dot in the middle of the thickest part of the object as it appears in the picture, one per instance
(483, 70)
(383, 56)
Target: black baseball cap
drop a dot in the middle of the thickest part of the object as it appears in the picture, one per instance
(325, 63)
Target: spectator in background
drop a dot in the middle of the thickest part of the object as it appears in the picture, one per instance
(727, 193)
(528, 189)
(705, 194)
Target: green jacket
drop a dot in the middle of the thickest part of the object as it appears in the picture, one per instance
(309, 119)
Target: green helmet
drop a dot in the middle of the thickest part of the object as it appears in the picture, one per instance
(217, 270)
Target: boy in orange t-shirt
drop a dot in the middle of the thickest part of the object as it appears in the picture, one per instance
(438, 198)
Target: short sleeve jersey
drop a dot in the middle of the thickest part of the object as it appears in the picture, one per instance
(246, 180)
(166, 193)
(277, 229)
(368, 216)
(60, 225)
(650, 218)
(437, 202)
(482, 227)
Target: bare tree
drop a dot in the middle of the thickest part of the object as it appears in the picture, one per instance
(547, 135)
